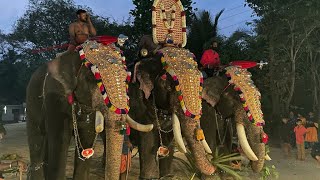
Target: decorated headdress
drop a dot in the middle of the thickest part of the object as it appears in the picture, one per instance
(169, 22)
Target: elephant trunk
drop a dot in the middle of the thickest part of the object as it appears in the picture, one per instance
(251, 141)
(188, 130)
(254, 136)
(114, 142)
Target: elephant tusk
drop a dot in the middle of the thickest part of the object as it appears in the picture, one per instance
(177, 133)
(99, 122)
(244, 143)
(206, 146)
(137, 126)
(267, 157)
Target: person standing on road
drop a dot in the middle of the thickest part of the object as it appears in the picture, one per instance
(285, 130)
(300, 131)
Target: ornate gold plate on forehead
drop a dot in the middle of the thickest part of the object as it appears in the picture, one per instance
(249, 95)
(180, 64)
(108, 59)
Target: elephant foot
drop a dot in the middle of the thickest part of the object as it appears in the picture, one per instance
(140, 178)
(169, 177)
(36, 171)
(211, 177)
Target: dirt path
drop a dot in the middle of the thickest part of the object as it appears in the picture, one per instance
(289, 169)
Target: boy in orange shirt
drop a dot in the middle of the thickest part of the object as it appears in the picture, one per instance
(300, 131)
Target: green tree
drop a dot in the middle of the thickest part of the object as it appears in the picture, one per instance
(45, 24)
(202, 30)
(285, 26)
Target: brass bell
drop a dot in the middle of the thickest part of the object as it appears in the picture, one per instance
(144, 52)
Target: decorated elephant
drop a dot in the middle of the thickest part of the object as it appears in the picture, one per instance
(166, 109)
(84, 93)
(171, 87)
(221, 107)
(235, 96)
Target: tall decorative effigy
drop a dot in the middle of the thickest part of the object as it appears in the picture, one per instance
(169, 29)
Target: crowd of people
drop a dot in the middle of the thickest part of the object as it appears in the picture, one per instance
(302, 133)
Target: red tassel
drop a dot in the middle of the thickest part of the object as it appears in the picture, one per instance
(128, 130)
(97, 75)
(70, 98)
(118, 111)
(164, 77)
(128, 78)
(265, 138)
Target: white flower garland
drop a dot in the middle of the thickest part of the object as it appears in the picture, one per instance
(163, 16)
(154, 21)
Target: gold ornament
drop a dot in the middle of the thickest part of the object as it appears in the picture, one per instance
(241, 78)
(186, 70)
(109, 61)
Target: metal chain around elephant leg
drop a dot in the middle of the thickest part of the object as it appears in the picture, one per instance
(75, 131)
(77, 137)
(225, 132)
(163, 151)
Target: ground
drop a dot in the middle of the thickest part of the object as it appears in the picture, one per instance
(289, 169)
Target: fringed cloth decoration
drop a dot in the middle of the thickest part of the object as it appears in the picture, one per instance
(108, 67)
(169, 18)
(125, 162)
(126, 155)
(182, 67)
(248, 92)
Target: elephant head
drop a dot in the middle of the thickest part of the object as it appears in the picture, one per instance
(146, 47)
(240, 99)
(173, 80)
(98, 80)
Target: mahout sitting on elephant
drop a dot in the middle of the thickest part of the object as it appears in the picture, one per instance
(82, 92)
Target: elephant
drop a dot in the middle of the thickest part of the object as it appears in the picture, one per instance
(227, 102)
(218, 98)
(81, 92)
(158, 104)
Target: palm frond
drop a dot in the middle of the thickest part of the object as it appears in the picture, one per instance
(215, 23)
(186, 164)
(220, 161)
(228, 170)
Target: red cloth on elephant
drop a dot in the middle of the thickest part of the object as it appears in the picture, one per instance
(210, 58)
(244, 64)
(105, 39)
(125, 162)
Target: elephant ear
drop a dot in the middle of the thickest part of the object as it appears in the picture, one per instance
(63, 69)
(212, 90)
(146, 72)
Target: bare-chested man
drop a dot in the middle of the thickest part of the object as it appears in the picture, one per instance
(80, 30)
